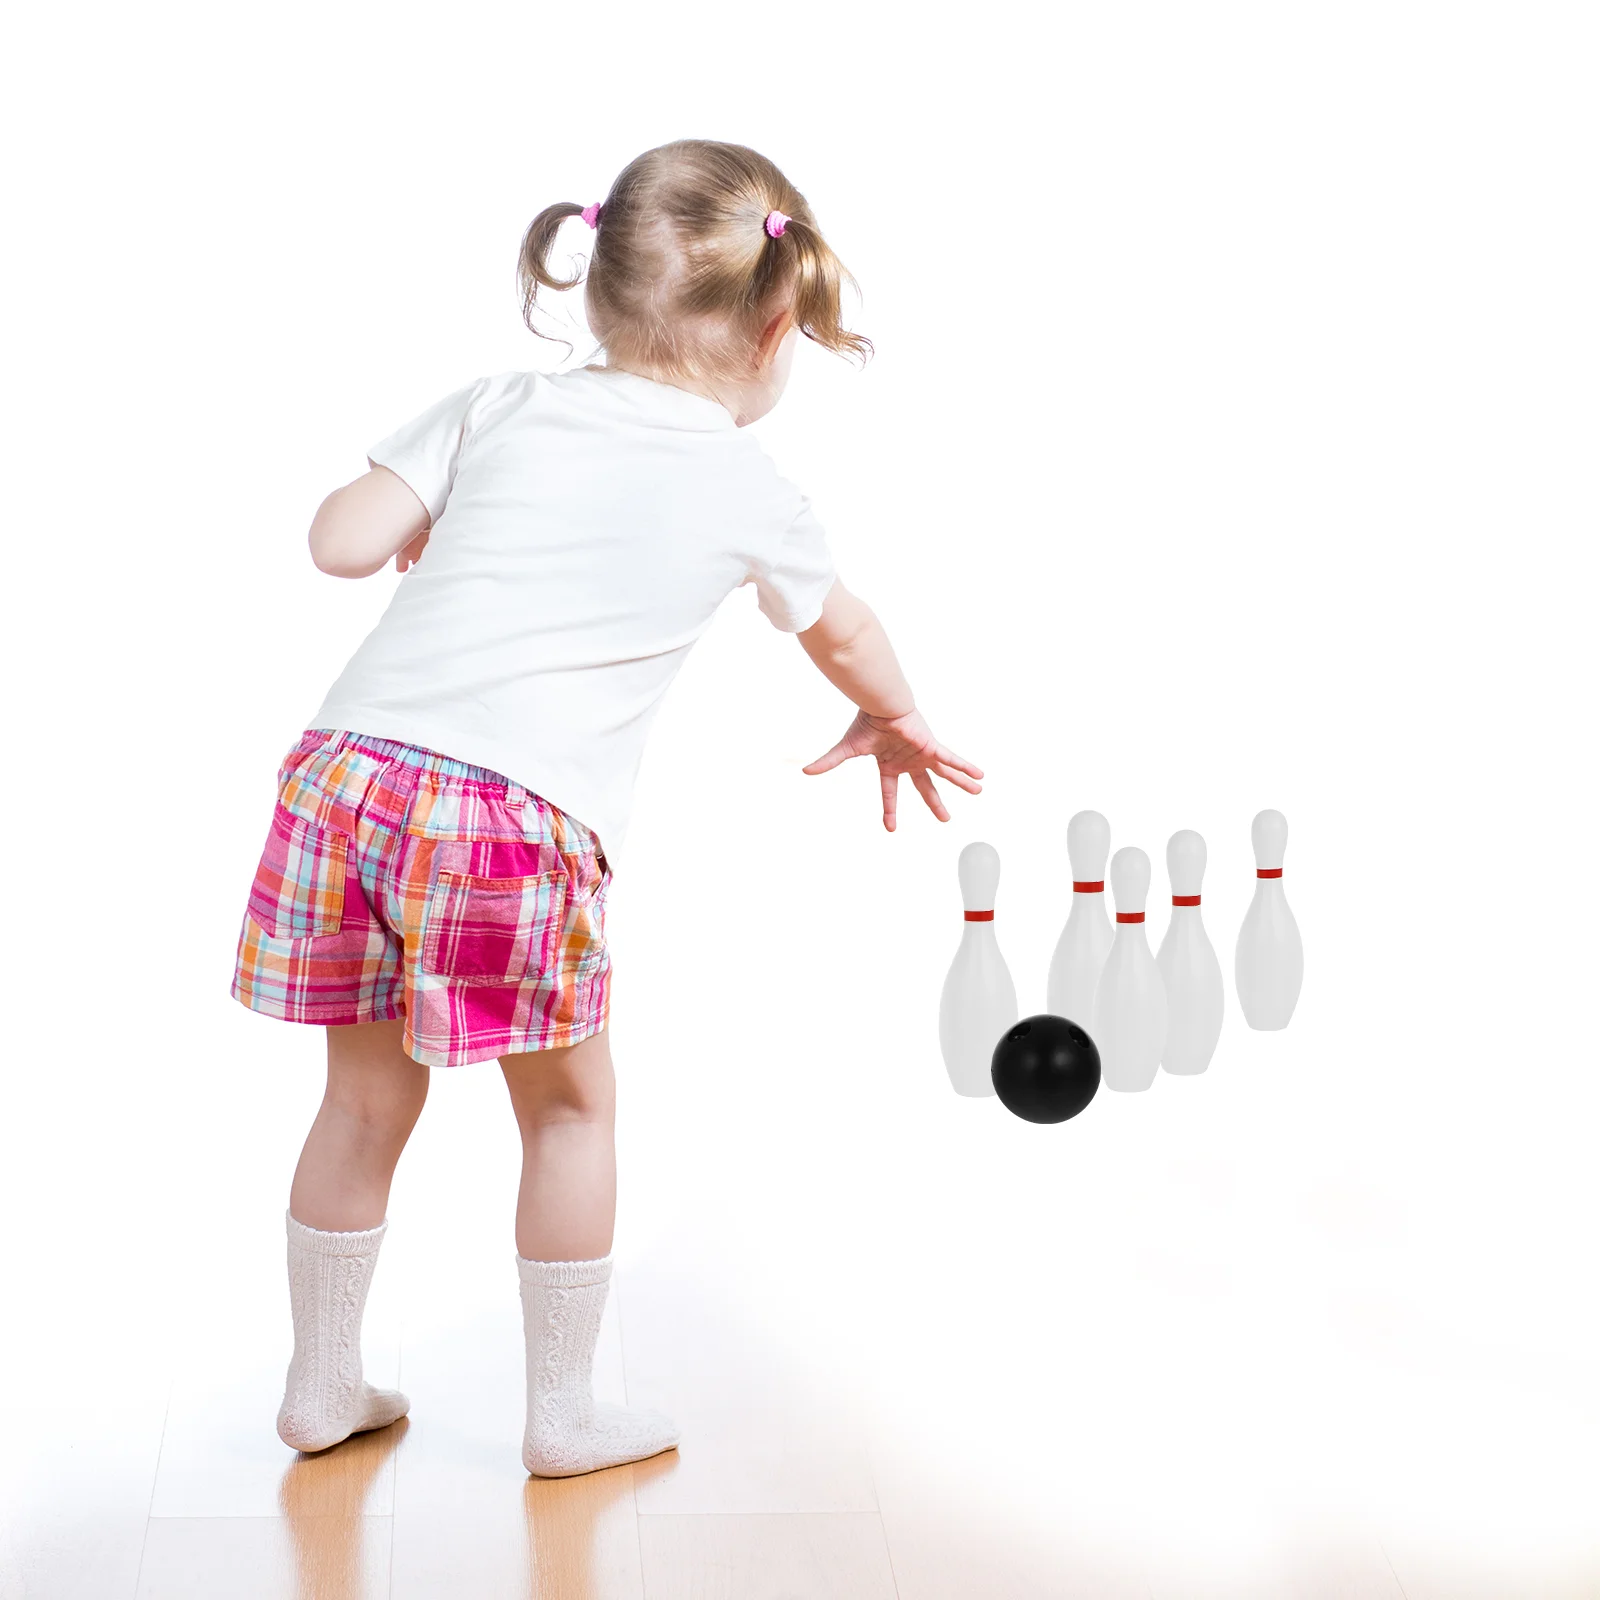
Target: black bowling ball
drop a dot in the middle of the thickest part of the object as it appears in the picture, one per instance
(1045, 1069)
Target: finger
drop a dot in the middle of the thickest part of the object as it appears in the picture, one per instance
(926, 789)
(826, 763)
(951, 759)
(891, 789)
(958, 778)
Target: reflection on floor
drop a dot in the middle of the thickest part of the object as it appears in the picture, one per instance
(789, 1483)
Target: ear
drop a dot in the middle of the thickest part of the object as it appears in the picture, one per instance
(772, 336)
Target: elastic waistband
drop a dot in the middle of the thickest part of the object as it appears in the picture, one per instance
(410, 755)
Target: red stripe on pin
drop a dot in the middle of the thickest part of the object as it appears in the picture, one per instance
(1130, 916)
(1186, 899)
(980, 916)
(1097, 887)
(1269, 872)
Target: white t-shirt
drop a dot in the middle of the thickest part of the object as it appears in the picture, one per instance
(586, 526)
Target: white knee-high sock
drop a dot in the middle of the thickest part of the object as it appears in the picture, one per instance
(568, 1432)
(325, 1399)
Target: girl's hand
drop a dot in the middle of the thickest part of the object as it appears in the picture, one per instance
(412, 552)
(902, 744)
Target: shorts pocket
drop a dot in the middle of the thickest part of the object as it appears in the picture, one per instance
(591, 928)
(298, 891)
(494, 930)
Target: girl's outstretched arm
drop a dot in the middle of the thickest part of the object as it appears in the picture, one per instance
(357, 528)
(850, 649)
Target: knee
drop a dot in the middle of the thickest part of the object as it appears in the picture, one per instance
(565, 1101)
(573, 1084)
(554, 1096)
(376, 1117)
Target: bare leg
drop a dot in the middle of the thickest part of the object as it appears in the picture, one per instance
(337, 1218)
(374, 1096)
(565, 1102)
(565, 1105)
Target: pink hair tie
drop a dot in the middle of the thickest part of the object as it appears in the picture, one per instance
(591, 214)
(776, 223)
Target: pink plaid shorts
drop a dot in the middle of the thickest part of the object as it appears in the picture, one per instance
(396, 881)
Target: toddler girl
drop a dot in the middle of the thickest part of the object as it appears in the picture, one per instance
(434, 881)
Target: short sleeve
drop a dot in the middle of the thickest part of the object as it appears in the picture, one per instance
(425, 450)
(790, 591)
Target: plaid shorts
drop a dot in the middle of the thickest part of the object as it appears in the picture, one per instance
(396, 881)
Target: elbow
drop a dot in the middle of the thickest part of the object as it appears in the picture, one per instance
(329, 552)
(341, 567)
(326, 562)
(321, 559)
(334, 570)
(320, 542)
(845, 625)
(856, 635)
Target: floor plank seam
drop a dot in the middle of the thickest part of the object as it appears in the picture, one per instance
(155, 1479)
(394, 1463)
(1395, 1575)
(879, 1514)
(877, 1505)
(633, 1477)
(295, 1519)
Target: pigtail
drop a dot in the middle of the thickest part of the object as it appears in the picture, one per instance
(533, 268)
(818, 278)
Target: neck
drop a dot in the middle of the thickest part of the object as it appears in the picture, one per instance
(676, 380)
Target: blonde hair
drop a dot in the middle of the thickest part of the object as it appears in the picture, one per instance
(684, 274)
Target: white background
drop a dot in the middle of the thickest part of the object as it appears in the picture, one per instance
(1230, 442)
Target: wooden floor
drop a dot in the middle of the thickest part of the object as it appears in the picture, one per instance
(897, 1379)
(784, 1487)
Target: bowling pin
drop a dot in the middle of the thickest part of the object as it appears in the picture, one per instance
(1086, 940)
(1268, 962)
(1130, 1003)
(1190, 971)
(979, 1001)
